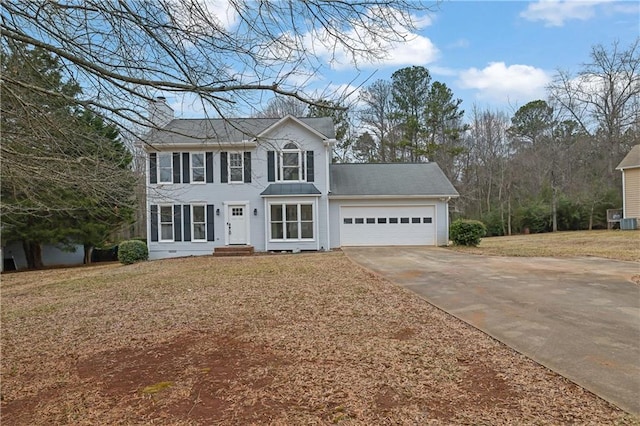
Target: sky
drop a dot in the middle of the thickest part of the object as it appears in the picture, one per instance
(494, 54)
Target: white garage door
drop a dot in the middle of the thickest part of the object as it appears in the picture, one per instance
(387, 225)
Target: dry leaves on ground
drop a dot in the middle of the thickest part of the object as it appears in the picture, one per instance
(290, 339)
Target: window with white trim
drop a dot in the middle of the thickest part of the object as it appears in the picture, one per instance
(166, 223)
(198, 223)
(291, 165)
(236, 167)
(197, 167)
(291, 221)
(165, 167)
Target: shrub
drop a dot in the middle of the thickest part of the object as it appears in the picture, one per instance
(132, 251)
(467, 232)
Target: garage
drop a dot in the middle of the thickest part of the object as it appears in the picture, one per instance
(387, 225)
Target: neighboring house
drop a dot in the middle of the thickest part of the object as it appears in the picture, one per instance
(14, 258)
(269, 183)
(630, 167)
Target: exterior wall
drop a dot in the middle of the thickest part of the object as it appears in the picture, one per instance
(221, 195)
(51, 255)
(631, 192)
(441, 214)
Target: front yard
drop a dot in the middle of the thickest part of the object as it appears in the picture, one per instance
(284, 339)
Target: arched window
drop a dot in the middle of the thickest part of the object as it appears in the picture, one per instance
(291, 163)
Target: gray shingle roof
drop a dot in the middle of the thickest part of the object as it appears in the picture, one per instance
(631, 160)
(291, 189)
(232, 130)
(390, 179)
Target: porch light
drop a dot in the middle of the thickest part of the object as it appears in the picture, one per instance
(217, 212)
(255, 212)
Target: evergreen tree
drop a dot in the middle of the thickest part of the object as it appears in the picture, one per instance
(65, 175)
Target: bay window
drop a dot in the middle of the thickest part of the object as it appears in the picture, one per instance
(291, 221)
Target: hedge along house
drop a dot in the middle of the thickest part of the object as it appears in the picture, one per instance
(630, 168)
(269, 183)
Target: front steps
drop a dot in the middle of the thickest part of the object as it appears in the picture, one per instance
(233, 251)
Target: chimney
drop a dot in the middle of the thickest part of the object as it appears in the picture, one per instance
(160, 113)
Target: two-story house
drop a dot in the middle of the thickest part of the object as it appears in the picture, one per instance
(269, 183)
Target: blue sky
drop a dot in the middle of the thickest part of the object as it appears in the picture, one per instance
(494, 54)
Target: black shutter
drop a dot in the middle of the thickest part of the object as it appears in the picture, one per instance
(310, 166)
(186, 209)
(185, 167)
(271, 166)
(153, 167)
(247, 167)
(209, 166)
(210, 222)
(176, 167)
(154, 222)
(224, 178)
(177, 222)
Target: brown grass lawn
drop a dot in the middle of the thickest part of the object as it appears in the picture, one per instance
(614, 244)
(287, 340)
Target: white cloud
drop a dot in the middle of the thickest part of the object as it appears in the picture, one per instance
(502, 83)
(414, 50)
(554, 13)
(200, 14)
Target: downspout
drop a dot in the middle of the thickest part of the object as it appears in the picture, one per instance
(624, 198)
(446, 204)
(327, 149)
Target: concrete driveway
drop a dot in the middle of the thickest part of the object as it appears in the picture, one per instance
(577, 316)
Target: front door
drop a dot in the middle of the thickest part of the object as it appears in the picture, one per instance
(237, 224)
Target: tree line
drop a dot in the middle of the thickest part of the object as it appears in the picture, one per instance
(548, 166)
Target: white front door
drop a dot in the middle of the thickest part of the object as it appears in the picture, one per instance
(237, 224)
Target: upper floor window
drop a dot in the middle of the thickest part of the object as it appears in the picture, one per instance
(165, 167)
(197, 167)
(291, 167)
(236, 167)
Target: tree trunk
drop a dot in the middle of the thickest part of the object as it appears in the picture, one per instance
(554, 210)
(509, 215)
(33, 254)
(88, 251)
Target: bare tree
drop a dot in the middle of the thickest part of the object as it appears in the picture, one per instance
(376, 115)
(124, 53)
(604, 97)
(280, 106)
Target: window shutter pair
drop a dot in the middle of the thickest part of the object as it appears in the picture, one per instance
(177, 163)
(271, 166)
(224, 167)
(181, 222)
(177, 226)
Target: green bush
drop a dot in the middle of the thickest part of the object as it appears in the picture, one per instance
(132, 251)
(467, 232)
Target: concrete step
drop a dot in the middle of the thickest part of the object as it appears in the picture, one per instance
(233, 251)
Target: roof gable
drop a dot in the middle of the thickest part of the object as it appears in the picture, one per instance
(390, 179)
(631, 160)
(217, 131)
(309, 125)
